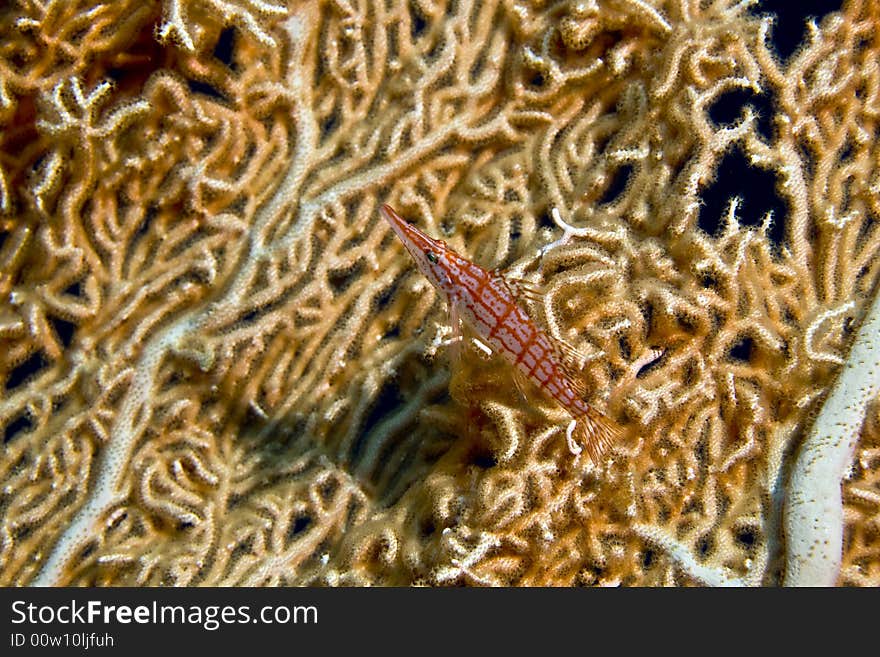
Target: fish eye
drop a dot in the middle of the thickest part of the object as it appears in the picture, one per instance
(432, 257)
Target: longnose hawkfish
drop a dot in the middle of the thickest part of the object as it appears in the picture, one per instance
(487, 303)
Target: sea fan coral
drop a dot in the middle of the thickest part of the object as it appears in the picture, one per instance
(220, 368)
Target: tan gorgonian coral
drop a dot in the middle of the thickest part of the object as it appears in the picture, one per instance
(220, 368)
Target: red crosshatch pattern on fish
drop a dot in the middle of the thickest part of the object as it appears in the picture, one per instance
(485, 301)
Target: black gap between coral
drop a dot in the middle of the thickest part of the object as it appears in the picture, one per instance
(21, 424)
(225, 48)
(791, 21)
(63, 329)
(619, 181)
(199, 87)
(756, 189)
(30, 367)
(728, 109)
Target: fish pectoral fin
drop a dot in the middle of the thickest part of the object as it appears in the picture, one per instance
(457, 336)
(463, 337)
(523, 384)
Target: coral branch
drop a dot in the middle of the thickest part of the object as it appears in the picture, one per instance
(686, 560)
(813, 508)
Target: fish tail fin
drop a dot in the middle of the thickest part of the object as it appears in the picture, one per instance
(594, 431)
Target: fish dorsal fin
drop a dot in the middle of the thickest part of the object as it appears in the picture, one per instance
(521, 288)
(572, 362)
